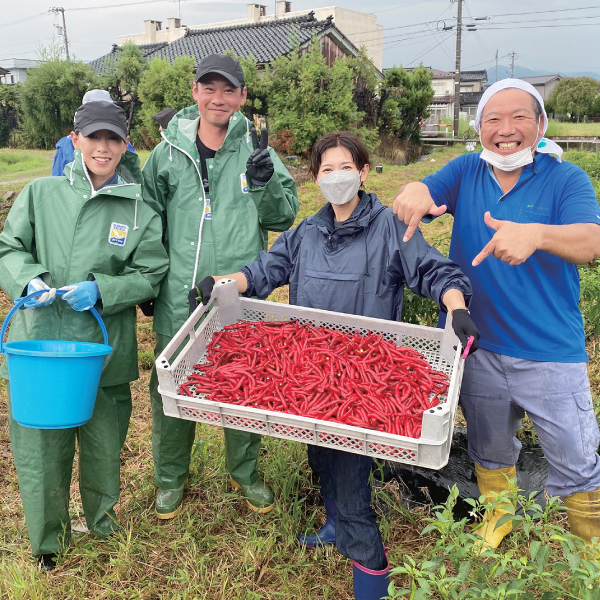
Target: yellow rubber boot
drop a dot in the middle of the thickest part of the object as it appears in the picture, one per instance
(492, 482)
(583, 510)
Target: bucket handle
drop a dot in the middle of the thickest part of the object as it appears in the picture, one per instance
(19, 303)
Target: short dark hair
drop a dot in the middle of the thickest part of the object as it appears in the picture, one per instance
(537, 109)
(356, 147)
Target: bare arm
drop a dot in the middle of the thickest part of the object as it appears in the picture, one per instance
(453, 299)
(412, 202)
(514, 243)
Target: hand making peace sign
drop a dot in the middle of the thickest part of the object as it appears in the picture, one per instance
(259, 167)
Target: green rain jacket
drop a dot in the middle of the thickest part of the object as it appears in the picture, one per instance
(239, 214)
(64, 232)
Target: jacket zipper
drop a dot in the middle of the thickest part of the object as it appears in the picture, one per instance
(198, 243)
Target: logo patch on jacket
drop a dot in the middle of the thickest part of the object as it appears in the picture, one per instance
(244, 183)
(118, 234)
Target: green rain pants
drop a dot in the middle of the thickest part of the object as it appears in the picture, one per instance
(173, 439)
(44, 462)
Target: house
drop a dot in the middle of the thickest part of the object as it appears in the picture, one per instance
(357, 27)
(544, 84)
(265, 40)
(471, 90)
(14, 70)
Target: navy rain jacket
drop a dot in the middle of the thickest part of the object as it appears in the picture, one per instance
(360, 268)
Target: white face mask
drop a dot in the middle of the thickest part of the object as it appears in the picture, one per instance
(340, 187)
(510, 162)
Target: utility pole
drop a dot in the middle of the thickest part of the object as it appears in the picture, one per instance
(496, 77)
(59, 9)
(457, 67)
(512, 56)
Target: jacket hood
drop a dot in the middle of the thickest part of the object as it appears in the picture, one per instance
(367, 209)
(183, 128)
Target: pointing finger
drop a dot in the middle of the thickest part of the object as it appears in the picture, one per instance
(264, 138)
(254, 138)
(488, 249)
(412, 226)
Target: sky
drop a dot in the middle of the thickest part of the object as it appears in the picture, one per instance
(554, 36)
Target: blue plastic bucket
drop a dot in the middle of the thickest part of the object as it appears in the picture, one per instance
(53, 384)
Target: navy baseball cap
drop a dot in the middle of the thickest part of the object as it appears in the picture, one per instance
(94, 116)
(222, 65)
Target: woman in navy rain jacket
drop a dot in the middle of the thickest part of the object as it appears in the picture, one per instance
(350, 257)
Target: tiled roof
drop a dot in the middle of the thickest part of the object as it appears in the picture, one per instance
(147, 50)
(464, 75)
(442, 99)
(473, 75)
(540, 79)
(265, 40)
(470, 97)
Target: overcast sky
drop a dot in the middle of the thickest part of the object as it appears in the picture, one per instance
(556, 37)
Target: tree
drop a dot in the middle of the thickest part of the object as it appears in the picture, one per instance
(50, 96)
(395, 104)
(575, 96)
(257, 90)
(307, 98)
(163, 86)
(122, 78)
(9, 108)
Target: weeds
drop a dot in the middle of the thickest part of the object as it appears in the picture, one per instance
(542, 561)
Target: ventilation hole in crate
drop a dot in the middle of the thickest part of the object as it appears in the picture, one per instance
(289, 431)
(395, 452)
(197, 414)
(338, 441)
(245, 423)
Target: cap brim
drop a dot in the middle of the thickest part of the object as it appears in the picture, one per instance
(93, 127)
(228, 76)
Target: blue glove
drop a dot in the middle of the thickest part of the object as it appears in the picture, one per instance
(35, 285)
(83, 295)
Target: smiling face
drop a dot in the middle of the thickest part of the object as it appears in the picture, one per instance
(101, 152)
(508, 122)
(218, 99)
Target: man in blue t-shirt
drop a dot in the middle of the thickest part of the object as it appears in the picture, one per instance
(523, 220)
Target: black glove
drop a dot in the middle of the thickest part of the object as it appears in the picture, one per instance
(465, 328)
(201, 291)
(259, 167)
(147, 307)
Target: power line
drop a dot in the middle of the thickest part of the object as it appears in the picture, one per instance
(430, 49)
(23, 20)
(539, 12)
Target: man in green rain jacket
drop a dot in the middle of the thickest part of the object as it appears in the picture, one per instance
(97, 234)
(218, 194)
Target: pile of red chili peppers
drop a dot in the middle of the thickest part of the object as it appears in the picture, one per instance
(364, 381)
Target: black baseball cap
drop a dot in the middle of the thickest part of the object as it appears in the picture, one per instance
(164, 116)
(94, 116)
(224, 65)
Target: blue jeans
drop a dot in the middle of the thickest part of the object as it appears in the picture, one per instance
(345, 480)
(497, 390)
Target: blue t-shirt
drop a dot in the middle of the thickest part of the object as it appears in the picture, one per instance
(529, 311)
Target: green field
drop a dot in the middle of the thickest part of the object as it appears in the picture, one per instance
(217, 549)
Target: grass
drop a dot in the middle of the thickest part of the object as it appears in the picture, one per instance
(216, 549)
(558, 129)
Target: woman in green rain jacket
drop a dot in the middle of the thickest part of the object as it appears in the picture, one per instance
(205, 236)
(60, 229)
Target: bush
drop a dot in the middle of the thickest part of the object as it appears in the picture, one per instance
(163, 86)
(547, 564)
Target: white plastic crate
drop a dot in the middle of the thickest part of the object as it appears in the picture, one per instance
(431, 450)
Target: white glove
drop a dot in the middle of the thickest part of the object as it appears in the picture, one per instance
(35, 285)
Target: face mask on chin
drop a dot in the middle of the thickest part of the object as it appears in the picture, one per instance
(340, 187)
